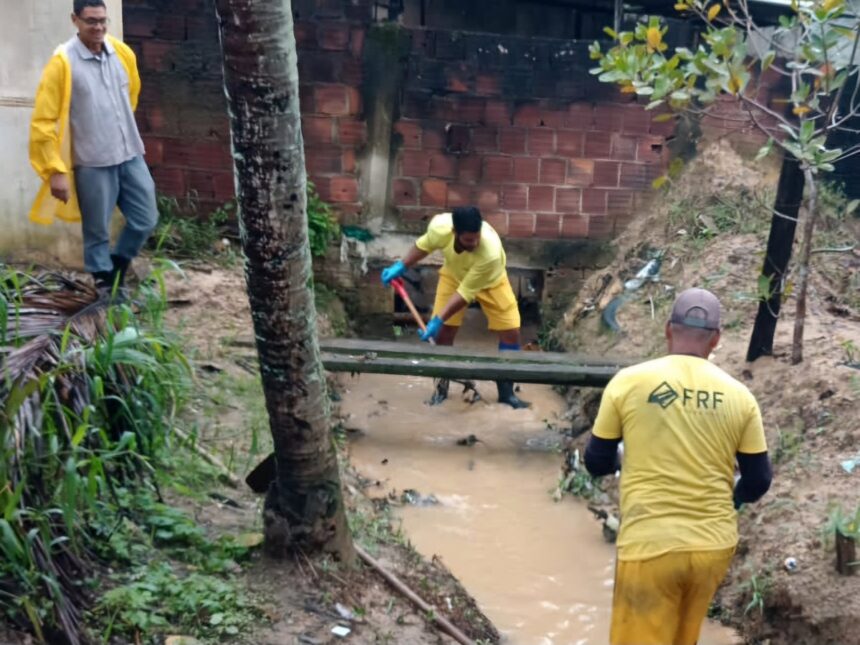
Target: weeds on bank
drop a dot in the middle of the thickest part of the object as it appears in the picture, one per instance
(757, 586)
(847, 524)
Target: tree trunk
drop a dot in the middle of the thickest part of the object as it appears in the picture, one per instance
(304, 506)
(803, 267)
(789, 194)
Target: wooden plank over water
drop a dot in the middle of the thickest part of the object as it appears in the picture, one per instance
(383, 357)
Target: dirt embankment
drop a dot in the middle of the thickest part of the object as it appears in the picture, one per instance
(306, 597)
(711, 227)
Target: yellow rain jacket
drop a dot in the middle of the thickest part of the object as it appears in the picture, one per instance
(50, 139)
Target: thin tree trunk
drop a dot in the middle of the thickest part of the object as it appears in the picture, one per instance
(803, 267)
(789, 194)
(304, 505)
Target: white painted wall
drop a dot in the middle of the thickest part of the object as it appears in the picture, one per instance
(30, 30)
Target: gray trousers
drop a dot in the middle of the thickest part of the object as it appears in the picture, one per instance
(129, 186)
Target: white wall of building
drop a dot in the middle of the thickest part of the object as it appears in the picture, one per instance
(30, 30)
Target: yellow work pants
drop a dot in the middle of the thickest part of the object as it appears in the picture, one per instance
(498, 303)
(663, 600)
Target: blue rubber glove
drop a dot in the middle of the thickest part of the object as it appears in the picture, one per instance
(394, 271)
(433, 329)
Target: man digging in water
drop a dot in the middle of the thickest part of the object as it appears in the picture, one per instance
(684, 422)
(474, 269)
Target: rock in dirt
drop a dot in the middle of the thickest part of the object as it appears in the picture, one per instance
(412, 497)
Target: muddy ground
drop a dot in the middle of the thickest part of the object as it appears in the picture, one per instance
(209, 309)
(811, 411)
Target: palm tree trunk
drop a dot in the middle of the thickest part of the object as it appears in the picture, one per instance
(304, 505)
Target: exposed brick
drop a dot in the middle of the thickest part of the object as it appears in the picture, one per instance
(486, 197)
(154, 150)
(637, 120)
(417, 214)
(514, 197)
(600, 227)
(608, 117)
(351, 72)
(156, 55)
(580, 172)
(306, 33)
(352, 132)
(457, 83)
(606, 174)
(594, 200)
(470, 109)
(663, 128)
(356, 42)
(459, 195)
(171, 26)
(512, 141)
(170, 181)
(333, 37)
(318, 129)
(652, 150)
(354, 100)
(139, 22)
(323, 159)
(634, 175)
(307, 103)
(155, 118)
(498, 169)
(200, 183)
(224, 185)
(547, 225)
(528, 115)
(521, 224)
(569, 142)
(404, 191)
(567, 200)
(620, 202)
(553, 118)
(598, 145)
(322, 185)
(553, 171)
(442, 165)
(469, 168)
(499, 221)
(486, 85)
(623, 147)
(497, 113)
(580, 116)
(434, 192)
(485, 139)
(433, 139)
(414, 163)
(331, 99)
(347, 160)
(526, 169)
(541, 141)
(574, 226)
(541, 198)
(410, 131)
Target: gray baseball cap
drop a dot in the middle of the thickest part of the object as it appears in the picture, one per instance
(696, 308)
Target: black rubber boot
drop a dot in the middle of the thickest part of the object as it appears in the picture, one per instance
(120, 268)
(506, 395)
(441, 392)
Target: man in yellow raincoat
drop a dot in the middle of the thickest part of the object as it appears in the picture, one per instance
(85, 145)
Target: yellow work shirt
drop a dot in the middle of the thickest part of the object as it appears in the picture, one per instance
(476, 270)
(683, 420)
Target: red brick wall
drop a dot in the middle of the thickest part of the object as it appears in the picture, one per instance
(514, 125)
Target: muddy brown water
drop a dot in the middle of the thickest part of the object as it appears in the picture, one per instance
(539, 569)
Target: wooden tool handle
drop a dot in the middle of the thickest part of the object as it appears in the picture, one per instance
(400, 288)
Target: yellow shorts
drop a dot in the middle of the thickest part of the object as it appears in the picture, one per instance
(498, 303)
(663, 600)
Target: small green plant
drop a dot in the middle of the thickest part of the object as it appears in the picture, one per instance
(847, 524)
(323, 228)
(850, 352)
(758, 587)
(373, 527)
(788, 445)
(183, 233)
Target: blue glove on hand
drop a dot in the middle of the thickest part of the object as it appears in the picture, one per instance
(433, 329)
(394, 271)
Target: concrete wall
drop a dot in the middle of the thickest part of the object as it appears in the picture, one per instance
(29, 32)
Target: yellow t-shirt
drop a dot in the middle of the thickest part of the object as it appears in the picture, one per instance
(476, 270)
(682, 420)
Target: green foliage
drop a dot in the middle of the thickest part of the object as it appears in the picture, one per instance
(758, 586)
(183, 233)
(848, 524)
(371, 527)
(816, 48)
(86, 406)
(323, 228)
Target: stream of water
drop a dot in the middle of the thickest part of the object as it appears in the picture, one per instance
(539, 569)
